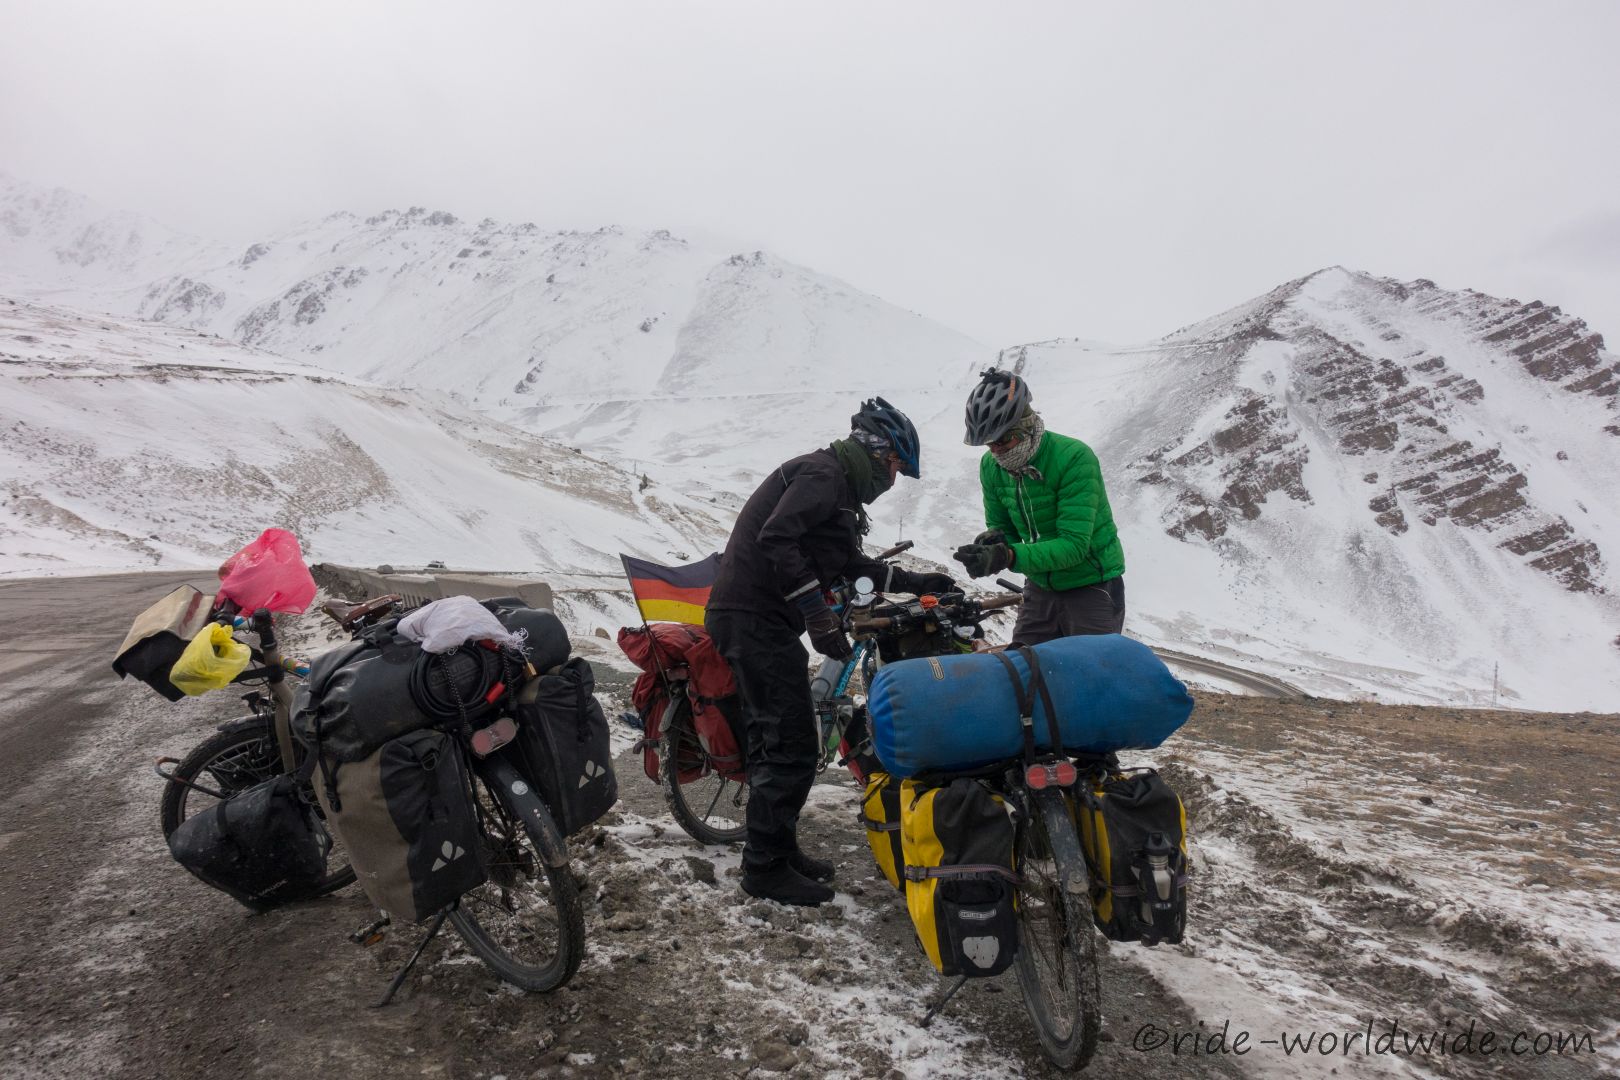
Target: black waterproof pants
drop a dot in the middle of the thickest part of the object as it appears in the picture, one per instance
(773, 680)
(1090, 609)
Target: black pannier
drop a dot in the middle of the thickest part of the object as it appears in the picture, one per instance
(563, 742)
(1133, 830)
(264, 846)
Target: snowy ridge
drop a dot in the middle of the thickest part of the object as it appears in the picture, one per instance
(138, 445)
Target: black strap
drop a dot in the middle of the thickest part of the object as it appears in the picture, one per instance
(1026, 712)
(328, 774)
(1038, 681)
(968, 871)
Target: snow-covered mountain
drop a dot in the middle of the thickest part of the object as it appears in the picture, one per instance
(138, 445)
(1363, 486)
(56, 243)
(1408, 479)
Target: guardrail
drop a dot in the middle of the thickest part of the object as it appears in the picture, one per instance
(421, 588)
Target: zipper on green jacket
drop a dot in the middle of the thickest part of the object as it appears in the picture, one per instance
(1029, 518)
(1023, 508)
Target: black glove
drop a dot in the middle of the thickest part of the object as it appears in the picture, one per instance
(991, 536)
(826, 633)
(983, 560)
(923, 584)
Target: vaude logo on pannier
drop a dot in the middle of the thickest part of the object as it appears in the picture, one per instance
(448, 854)
(592, 771)
(981, 951)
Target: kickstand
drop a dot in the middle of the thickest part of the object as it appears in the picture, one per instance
(393, 987)
(940, 1004)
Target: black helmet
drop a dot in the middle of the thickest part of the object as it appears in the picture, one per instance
(878, 417)
(994, 406)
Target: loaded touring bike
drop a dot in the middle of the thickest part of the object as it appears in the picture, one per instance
(1057, 957)
(526, 921)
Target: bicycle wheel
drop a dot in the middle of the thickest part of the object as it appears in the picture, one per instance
(526, 922)
(711, 808)
(1057, 955)
(232, 761)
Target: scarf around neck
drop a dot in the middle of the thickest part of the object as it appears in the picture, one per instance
(1017, 457)
(862, 473)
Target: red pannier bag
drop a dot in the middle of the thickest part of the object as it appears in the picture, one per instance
(664, 652)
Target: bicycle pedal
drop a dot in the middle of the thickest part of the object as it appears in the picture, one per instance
(370, 935)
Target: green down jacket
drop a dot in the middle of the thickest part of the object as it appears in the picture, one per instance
(1060, 526)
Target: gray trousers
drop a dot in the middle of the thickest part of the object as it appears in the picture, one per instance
(1090, 609)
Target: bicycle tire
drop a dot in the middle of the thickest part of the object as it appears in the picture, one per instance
(1057, 961)
(542, 835)
(233, 760)
(708, 791)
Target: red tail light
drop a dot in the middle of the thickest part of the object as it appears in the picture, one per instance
(1051, 774)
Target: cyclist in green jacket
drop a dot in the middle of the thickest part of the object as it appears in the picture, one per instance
(1046, 516)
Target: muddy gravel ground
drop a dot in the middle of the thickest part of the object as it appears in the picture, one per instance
(1355, 865)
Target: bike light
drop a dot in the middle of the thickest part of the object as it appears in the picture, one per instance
(1051, 774)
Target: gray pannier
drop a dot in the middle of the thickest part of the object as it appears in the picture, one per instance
(405, 813)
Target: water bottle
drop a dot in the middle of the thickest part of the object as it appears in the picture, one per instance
(824, 683)
(1158, 883)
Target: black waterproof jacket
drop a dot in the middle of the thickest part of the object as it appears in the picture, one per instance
(798, 531)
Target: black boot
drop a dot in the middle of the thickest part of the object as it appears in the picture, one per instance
(814, 869)
(785, 885)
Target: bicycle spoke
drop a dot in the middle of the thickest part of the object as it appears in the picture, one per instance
(719, 791)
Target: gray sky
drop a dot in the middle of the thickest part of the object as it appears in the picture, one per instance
(1019, 171)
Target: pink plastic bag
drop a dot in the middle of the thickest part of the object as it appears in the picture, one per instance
(268, 573)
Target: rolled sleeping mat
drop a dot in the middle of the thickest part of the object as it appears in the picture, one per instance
(942, 713)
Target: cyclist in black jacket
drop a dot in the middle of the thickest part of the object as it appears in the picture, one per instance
(798, 533)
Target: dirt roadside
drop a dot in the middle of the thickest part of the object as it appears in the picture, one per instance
(114, 962)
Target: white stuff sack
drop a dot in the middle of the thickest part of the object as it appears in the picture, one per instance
(446, 624)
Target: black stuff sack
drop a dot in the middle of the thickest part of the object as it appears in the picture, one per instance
(382, 685)
(545, 639)
(406, 817)
(264, 846)
(563, 745)
(1133, 830)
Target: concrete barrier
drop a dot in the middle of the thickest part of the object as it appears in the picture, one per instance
(358, 583)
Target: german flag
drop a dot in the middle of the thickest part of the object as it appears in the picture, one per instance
(672, 593)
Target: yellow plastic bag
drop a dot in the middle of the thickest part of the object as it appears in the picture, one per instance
(210, 662)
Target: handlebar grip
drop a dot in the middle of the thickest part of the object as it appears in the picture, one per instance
(992, 602)
(860, 626)
(904, 545)
(265, 627)
(1008, 585)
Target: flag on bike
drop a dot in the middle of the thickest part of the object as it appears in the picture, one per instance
(672, 593)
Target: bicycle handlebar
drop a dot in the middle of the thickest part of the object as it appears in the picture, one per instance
(869, 624)
(904, 545)
(265, 627)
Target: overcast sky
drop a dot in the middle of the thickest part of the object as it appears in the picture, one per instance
(1018, 171)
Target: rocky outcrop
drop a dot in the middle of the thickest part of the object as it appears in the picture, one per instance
(1361, 374)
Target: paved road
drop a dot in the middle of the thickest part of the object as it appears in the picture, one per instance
(1264, 685)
